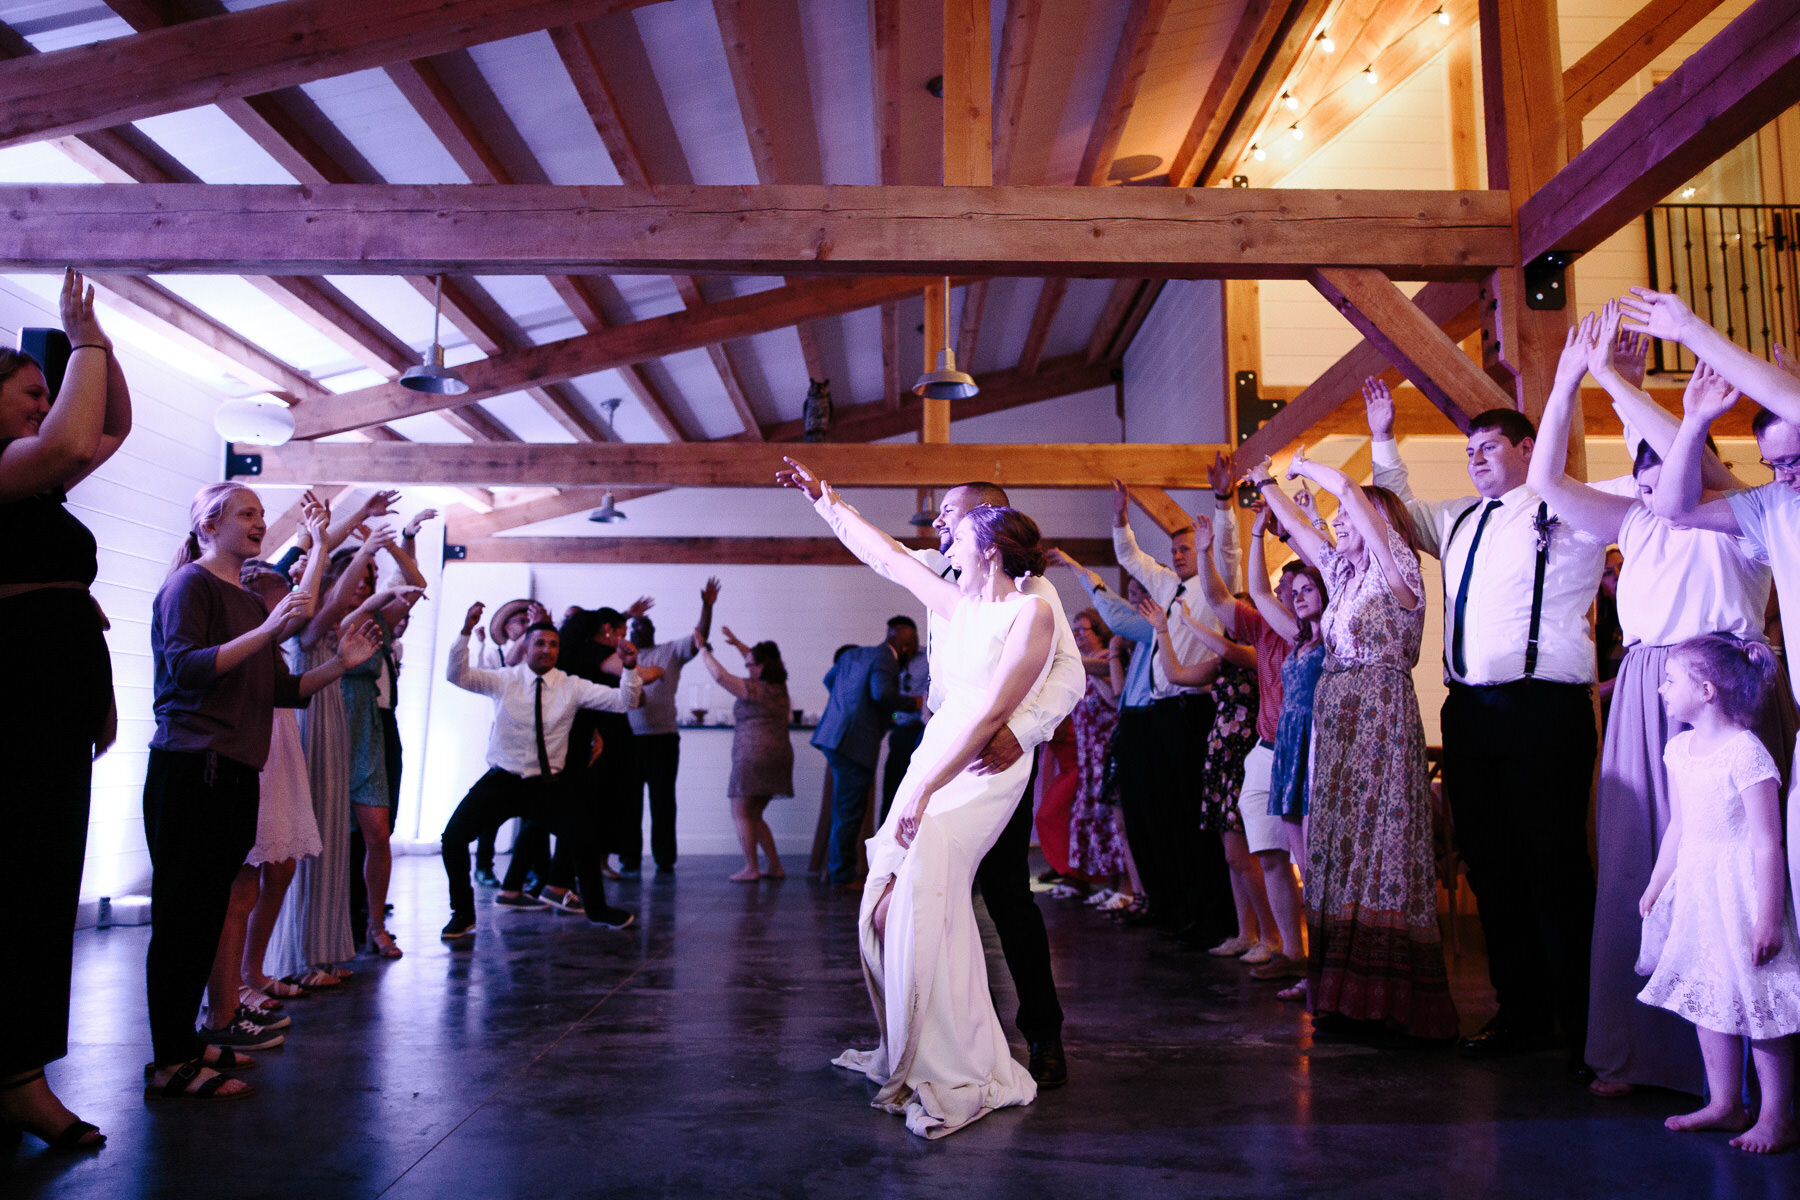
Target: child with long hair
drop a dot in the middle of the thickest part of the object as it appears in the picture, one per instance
(1729, 964)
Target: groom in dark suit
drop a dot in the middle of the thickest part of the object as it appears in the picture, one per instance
(865, 688)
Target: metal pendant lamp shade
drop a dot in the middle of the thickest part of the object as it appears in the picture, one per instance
(608, 512)
(946, 382)
(432, 376)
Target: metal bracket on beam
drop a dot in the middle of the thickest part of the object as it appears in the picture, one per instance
(1252, 413)
(241, 464)
(1546, 285)
(455, 552)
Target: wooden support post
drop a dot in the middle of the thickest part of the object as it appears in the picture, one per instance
(1521, 72)
(935, 426)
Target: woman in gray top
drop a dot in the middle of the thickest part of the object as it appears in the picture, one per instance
(762, 757)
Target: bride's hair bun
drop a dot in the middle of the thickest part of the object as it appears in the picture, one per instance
(1011, 534)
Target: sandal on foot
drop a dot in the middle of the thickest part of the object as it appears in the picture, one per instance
(340, 971)
(192, 1081)
(76, 1135)
(281, 989)
(382, 943)
(256, 998)
(312, 979)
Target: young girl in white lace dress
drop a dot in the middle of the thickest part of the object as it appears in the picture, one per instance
(1729, 964)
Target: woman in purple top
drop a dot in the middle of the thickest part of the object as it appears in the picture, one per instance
(219, 676)
(54, 706)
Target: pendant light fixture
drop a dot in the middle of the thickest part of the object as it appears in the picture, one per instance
(608, 512)
(946, 382)
(432, 376)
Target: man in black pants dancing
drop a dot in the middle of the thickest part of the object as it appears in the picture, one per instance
(534, 707)
(1004, 876)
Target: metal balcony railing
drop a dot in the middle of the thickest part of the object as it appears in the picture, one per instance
(1736, 265)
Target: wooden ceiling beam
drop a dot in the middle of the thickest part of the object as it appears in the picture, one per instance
(801, 229)
(732, 464)
(252, 51)
(619, 346)
(1739, 81)
(1143, 21)
(1396, 64)
(1630, 48)
(1119, 305)
(1411, 341)
(1456, 308)
(466, 526)
(1264, 78)
(1000, 391)
(726, 551)
(1250, 40)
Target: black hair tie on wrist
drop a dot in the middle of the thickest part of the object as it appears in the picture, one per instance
(90, 346)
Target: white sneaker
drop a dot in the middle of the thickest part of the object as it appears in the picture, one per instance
(1258, 954)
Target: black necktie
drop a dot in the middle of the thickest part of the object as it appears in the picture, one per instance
(1462, 591)
(537, 705)
(1156, 647)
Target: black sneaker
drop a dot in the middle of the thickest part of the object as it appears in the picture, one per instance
(459, 927)
(611, 918)
(240, 1035)
(567, 902)
(486, 878)
(261, 1019)
(518, 901)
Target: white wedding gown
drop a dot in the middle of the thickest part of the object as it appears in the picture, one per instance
(943, 1060)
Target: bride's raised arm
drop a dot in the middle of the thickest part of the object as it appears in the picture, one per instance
(887, 557)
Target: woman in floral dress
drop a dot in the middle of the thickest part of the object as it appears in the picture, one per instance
(1371, 885)
(1096, 835)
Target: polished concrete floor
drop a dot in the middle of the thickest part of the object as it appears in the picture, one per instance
(688, 1056)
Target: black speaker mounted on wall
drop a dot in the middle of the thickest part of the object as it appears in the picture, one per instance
(51, 349)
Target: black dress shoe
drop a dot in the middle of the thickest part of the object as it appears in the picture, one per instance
(1579, 1071)
(1047, 1065)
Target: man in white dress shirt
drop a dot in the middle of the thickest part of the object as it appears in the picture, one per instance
(1004, 876)
(534, 706)
(1518, 724)
(1185, 875)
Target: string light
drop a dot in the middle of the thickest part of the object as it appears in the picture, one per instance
(1296, 131)
(1443, 18)
(1290, 102)
(1325, 42)
(1368, 75)
(1258, 153)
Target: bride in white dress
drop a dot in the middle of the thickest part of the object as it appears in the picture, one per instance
(943, 1060)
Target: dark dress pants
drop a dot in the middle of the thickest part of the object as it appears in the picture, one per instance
(59, 686)
(1518, 772)
(658, 763)
(199, 824)
(499, 795)
(1190, 866)
(1004, 878)
(1131, 752)
(850, 783)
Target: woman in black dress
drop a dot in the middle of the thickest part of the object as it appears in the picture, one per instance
(56, 702)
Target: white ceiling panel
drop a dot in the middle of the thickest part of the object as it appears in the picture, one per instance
(527, 77)
(376, 119)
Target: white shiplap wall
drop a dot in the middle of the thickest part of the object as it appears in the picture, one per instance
(136, 506)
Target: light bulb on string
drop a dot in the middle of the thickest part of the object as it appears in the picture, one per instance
(1258, 153)
(1296, 132)
(1290, 102)
(1368, 75)
(1325, 42)
(1443, 18)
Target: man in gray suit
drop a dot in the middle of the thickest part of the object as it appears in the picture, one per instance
(865, 688)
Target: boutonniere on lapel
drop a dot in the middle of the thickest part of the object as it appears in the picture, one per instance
(1543, 523)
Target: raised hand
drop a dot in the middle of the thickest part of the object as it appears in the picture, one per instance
(1218, 474)
(472, 618)
(78, 319)
(380, 504)
(412, 527)
(290, 613)
(1259, 523)
(1203, 533)
(1579, 345)
(1659, 314)
(1299, 467)
(709, 593)
(1603, 346)
(1121, 503)
(1152, 612)
(798, 476)
(640, 606)
(315, 519)
(627, 651)
(1708, 396)
(1057, 558)
(381, 537)
(1307, 503)
(1259, 474)
(1378, 404)
(481, 635)
(359, 645)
